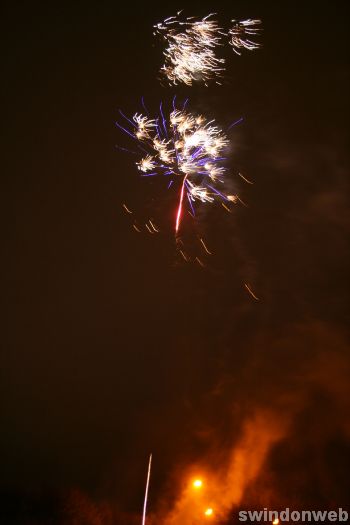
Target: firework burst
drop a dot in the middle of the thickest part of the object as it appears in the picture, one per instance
(187, 150)
(192, 45)
(190, 53)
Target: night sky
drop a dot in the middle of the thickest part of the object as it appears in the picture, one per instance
(112, 347)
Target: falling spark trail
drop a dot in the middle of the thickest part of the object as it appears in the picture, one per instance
(226, 207)
(246, 180)
(204, 246)
(126, 208)
(146, 491)
(183, 255)
(155, 229)
(235, 123)
(242, 202)
(251, 292)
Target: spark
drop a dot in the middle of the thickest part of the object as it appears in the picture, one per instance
(183, 255)
(204, 246)
(153, 226)
(251, 292)
(186, 147)
(209, 512)
(235, 123)
(126, 208)
(146, 164)
(245, 179)
(136, 228)
(233, 198)
(191, 46)
(226, 207)
(199, 262)
(240, 200)
(146, 490)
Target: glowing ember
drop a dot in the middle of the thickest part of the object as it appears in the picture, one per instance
(197, 484)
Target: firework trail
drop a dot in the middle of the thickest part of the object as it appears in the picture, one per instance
(146, 490)
(241, 33)
(191, 46)
(185, 149)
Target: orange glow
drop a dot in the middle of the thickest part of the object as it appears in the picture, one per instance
(275, 521)
(227, 487)
(198, 483)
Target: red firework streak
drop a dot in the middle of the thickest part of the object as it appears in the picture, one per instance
(179, 209)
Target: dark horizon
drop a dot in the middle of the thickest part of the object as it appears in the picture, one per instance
(113, 348)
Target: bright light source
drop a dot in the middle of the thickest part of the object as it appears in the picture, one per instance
(209, 512)
(275, 521)
(197, 483)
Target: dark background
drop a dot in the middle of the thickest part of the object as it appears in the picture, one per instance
(111, 347)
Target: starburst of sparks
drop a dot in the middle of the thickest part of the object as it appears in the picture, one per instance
(191, 46)
(190, 53)
(186, 149)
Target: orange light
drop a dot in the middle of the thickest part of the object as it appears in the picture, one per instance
(209, 512)
(198, 483)
(275, 521)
